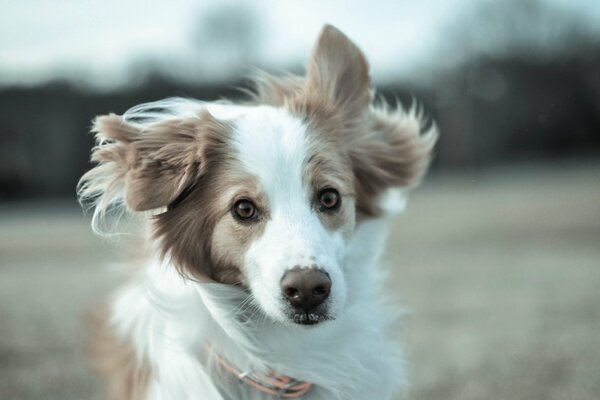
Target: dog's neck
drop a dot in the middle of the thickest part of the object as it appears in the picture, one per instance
(272, 384)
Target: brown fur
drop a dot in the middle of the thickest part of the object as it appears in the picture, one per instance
(156, 163)
(182, 165)
(115, 359)
(328, 168)
(231, 239)
(200, 233)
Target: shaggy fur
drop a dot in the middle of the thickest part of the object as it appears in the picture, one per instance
(209, 282)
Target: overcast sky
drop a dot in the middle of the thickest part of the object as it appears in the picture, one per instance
(99, 40)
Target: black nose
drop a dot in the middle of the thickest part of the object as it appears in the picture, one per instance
(305, 288)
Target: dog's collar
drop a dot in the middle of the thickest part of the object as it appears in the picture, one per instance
(274, 384)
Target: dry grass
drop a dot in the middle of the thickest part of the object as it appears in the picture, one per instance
(500, 271)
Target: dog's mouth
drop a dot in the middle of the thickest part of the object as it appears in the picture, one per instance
(308, 318)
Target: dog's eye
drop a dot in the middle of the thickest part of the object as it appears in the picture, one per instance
(244, 210)
(329, 199)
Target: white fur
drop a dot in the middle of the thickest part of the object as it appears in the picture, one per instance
(275, 153)
(172, 321)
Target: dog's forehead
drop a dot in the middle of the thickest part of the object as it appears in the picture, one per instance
(270, 143)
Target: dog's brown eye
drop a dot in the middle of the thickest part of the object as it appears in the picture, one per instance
(329, 199)
(244, 210)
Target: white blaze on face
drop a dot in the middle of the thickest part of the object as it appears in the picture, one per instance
(271, 145)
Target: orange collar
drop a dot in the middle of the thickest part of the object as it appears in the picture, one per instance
(274, 384)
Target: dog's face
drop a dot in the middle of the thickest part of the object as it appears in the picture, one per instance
(291, 214)
(268, 195)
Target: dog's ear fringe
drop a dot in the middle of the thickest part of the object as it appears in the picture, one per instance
(393, 154)
(102, 188)
(411, 134)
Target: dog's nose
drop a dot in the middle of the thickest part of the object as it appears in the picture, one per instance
(305, 288)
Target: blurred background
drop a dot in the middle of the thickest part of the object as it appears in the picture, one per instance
(498, 256)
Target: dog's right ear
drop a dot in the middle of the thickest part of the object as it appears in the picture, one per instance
(151, 164)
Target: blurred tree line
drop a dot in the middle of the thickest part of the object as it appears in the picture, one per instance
(523, 85)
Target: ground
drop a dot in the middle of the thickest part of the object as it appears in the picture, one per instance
(499, 273)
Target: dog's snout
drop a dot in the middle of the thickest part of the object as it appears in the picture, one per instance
(305, 288)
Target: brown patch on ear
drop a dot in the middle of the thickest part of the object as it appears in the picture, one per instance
(115, 359)
(156, 162)
(392, 152)
(338, 73)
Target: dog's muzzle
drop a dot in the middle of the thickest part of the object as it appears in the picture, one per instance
(305, 290)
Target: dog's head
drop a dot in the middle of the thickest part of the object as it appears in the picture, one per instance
(266, 195)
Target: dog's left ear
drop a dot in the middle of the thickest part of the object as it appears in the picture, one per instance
(338, 72)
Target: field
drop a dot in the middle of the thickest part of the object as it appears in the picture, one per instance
(499, 272)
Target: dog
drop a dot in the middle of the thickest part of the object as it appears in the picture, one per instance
(262, 223)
